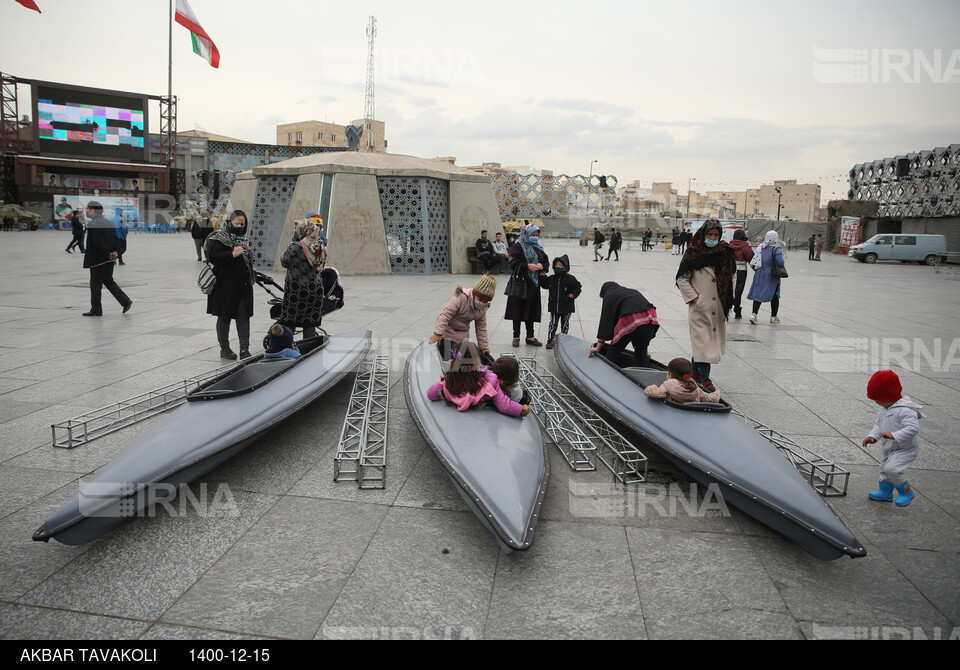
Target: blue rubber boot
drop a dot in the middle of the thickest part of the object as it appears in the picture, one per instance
(906, 495)
(884, 493)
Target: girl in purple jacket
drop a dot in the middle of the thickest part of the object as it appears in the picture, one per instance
(467, 385)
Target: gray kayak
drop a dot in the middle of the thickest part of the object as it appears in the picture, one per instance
(220, 419)
(498, 463)
(713, 446)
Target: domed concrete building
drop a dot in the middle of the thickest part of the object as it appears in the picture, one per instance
(383, 213)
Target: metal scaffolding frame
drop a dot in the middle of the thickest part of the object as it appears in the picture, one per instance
(825, 477)
(569, 421)
(111, 418)
(362, 451)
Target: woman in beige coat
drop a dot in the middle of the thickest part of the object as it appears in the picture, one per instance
(705, 280)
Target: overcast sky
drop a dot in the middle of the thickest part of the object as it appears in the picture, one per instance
(731, 93)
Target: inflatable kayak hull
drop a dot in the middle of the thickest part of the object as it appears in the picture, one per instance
(497, 463)
(714, 447)
(221, 418)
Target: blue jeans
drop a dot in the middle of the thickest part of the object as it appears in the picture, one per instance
(640, 339)
(703, 369)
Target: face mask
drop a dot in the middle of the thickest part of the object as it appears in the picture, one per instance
(534, 240)
(479, 305)
(560, 270)
(710, 243)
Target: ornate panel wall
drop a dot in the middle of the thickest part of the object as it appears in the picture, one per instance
(270, 205)
(416, 219)
(557, 195)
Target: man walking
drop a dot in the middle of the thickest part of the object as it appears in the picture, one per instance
(819, 246)
(598, 239)
(102, 248)
(76, 224)
(811, 242)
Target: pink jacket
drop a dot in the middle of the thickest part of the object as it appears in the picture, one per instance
(490, 389)
(453, 322)
(673, 390)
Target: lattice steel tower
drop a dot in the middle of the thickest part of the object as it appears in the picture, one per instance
(368, 109)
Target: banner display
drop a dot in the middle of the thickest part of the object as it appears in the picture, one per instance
(64, 206)
(849, 233)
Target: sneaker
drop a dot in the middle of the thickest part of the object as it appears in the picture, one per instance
(774, 319)
(709, 387)
(516, 341)
(228, 353)
(549, 344)
(753, 319)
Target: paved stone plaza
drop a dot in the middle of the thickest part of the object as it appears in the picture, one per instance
(288, 553)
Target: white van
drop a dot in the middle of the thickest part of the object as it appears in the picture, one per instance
(900, 247)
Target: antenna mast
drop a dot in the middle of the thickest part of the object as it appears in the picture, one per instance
(368, 110)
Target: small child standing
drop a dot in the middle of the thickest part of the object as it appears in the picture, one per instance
(467, 385)
(898, 424)
(280, 344)
(563, 290)
(679, 387)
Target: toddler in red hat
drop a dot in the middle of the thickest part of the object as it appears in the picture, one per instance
(898, 425)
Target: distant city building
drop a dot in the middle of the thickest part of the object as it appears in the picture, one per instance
(332, 135)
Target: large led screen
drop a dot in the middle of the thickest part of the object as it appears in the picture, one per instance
(86, 122)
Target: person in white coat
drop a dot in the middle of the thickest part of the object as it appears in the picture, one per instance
(898, 425)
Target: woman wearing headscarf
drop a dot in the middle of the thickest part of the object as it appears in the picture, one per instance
(705, 280)
(766, 287)
(527, 261)
(626, 317)
(232, 297)
(303, 290)
(743, 252)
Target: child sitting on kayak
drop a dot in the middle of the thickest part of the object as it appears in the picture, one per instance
(679, 387)
(507, 370)
(281, 343)
(468, 385)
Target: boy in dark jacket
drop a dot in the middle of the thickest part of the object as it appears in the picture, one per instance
(564, 290)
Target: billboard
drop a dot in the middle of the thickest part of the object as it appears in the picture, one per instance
(65, 205)
(88, 122)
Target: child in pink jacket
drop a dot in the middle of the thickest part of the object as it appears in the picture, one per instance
(467, 385)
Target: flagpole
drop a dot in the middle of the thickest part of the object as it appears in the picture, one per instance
(170, 50)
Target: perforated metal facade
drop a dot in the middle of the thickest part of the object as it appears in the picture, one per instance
(270, 205)
(416, 220)
(928, 183)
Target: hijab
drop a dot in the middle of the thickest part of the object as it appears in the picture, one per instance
(771, 239)
(698, 256)
(530, 247)
(312, 244)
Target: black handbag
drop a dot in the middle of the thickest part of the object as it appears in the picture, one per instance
(516, 287)
(779, 271)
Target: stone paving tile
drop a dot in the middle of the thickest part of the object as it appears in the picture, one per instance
(804, 377)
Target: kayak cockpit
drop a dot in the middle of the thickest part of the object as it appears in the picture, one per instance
(253, 373)
(644, 377)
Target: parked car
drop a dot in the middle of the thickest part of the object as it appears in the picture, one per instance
(901, 247)
(18, 214)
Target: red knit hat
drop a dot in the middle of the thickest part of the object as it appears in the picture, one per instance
(884, 386)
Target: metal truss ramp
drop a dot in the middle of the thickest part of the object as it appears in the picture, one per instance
(577, 431)
(362, 452)
(825, 477)
(88, 427)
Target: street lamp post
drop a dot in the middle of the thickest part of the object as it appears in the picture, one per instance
(591, 167)
(689, 181)
(779, 198)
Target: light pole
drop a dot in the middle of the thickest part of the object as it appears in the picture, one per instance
(689, 181)
(591, 167)
(779, 198)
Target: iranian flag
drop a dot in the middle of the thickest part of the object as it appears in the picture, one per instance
(30, 4)
(202, 44)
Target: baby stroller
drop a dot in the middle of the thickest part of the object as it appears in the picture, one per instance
(332, 297)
